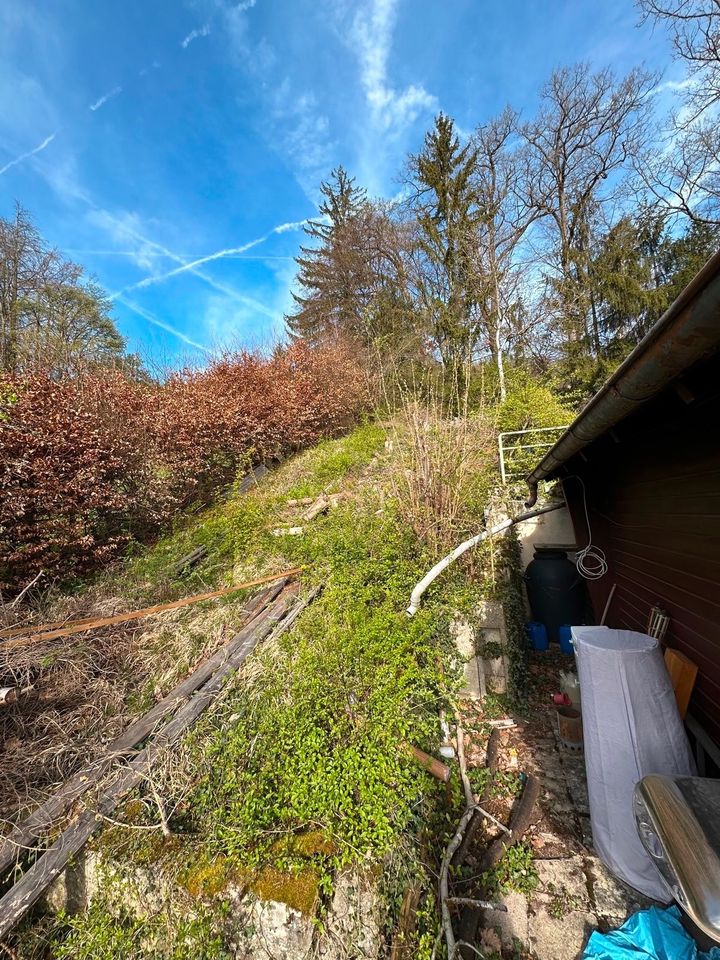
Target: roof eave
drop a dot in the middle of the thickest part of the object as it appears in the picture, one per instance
(688, 331)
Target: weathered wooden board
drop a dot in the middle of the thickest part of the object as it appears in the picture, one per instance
(28, 890)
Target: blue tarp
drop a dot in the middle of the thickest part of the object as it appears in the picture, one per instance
(652, 934)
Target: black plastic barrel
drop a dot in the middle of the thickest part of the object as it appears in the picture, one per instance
(556, 591)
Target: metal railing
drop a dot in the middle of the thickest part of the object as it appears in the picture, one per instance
(506, 449)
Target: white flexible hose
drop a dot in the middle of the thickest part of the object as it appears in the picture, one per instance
(434, 572)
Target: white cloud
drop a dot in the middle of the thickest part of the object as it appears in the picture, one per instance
(202, 31)
(156, 322)
(30, 153)
(235, 21)
(673, 85)
(371, 40)
(101, 101)
(299, 131)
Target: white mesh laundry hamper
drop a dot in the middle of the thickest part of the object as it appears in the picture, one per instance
(631, 727)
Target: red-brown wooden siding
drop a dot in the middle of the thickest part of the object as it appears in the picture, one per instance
(654, 500)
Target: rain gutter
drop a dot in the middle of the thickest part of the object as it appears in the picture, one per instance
(687, 332)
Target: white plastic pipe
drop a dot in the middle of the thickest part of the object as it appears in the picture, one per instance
(434, 573)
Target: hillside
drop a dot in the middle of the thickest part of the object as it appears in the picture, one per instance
(297, 773)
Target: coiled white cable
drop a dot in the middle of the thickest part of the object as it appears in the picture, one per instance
(591, 561)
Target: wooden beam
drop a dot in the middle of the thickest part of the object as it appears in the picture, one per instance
(48, 814)
(28, 890)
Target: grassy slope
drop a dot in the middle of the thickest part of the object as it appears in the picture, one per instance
(297, 771)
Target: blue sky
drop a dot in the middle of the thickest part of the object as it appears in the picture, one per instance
(146, 136)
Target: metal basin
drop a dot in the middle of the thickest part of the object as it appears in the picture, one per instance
(678, 820)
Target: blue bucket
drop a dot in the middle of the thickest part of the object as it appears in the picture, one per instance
(538, 635)
(565, 638)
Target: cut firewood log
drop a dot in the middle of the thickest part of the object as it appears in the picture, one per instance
(321, 505)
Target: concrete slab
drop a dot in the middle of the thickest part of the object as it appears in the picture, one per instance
(510, 926)
(563, 880)
(612, 898)
(556, 934)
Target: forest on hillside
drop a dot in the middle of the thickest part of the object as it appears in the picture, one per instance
(528, 251)
(554, 242)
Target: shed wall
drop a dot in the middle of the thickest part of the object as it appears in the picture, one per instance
(653, 490)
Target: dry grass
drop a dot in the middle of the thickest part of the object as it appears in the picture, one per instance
(443, 459)
(77, 693)
(70, 695)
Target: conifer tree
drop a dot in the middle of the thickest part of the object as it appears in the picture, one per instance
(331, 267)
(447, 216)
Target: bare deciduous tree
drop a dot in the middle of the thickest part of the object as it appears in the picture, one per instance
(588, 129)
(685, 176)
(506, 215)
(50, 317)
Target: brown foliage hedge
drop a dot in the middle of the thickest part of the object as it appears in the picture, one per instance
(91, 463)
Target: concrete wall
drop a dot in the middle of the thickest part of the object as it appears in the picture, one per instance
(549, 530)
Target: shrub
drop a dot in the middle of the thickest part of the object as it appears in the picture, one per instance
(90, 463)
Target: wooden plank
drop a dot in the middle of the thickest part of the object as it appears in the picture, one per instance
(683, 673)
(46, 816)
(28, 890)
(190, 559)
(703, 741)
(81, 626)
(252, 479)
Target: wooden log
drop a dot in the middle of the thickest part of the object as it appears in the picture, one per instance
(321, 505)
(28, 890)
(48, 814)
(519, 822)
(428, 763)
(190, 559)
(402, 946)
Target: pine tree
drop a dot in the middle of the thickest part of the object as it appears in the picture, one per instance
(331, 269)
(447, 218)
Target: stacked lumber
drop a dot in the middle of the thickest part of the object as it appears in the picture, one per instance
(269, 614)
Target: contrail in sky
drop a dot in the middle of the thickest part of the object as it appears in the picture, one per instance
(104, 98)
(218, 255)
(30, 153)
(161, 323)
